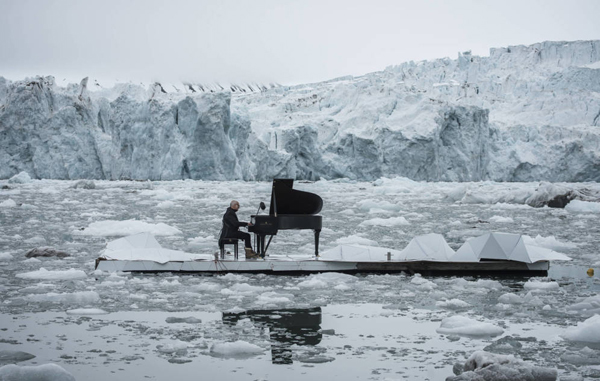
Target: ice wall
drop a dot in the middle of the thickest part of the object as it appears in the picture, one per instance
(525, 113)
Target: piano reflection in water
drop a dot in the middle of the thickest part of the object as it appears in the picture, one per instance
(290, 209)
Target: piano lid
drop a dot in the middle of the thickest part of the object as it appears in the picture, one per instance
(285, 200)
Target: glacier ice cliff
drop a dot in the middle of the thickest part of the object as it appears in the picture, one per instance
(525, 113)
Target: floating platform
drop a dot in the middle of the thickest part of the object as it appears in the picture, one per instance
(290, 267)
(498, 254)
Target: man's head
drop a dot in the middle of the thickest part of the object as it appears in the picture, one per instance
(234, 205)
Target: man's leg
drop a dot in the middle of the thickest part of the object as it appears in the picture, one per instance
(245, 237)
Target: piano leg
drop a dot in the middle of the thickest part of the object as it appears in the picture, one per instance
(317, 232)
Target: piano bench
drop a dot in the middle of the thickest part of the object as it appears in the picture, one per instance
(228, 241)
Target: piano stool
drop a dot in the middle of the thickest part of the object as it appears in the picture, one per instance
(228, 241)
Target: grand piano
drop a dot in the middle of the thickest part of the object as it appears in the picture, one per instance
(289, 209)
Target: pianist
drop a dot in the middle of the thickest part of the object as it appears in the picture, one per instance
(231, 226)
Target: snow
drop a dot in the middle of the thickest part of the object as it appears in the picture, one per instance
(501, 219)
(5, 256)
(45, 372)
(586, 331)
(452, 304)
(43, 274)
(20, 178)
(462, 325)
(549, 243)
(8, 204)
(86, 311)
(578, 206)
(389, 222)
(110, 228)
(540, 285)
(483, 365)
(79, 297)
(237, 348)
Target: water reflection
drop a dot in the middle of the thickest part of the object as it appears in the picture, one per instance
(287, 327)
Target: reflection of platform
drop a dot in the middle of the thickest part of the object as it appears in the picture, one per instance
(289, 326)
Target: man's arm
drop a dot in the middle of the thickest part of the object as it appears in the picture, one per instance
(233, 222)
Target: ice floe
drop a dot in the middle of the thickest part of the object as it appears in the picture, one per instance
(485, 366)
(234, 349)
(587, 331)
(464, 326)
(44, 274)
(45, 372)
(110, 228)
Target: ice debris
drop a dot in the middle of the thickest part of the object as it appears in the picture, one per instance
(464, 326)
(46, 372)
(485, 366)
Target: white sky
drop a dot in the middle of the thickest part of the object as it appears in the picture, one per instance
(266, 41)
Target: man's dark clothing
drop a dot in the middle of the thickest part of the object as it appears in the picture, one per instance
(231, 226)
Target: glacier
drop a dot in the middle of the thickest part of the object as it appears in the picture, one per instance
(524, 113)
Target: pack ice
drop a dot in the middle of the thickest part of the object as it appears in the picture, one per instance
(524, 113)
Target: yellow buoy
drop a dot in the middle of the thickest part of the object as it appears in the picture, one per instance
(590, 272)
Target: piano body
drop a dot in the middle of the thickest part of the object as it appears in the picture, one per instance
(289, 209)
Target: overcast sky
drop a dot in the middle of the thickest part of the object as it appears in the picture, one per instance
(287, 42)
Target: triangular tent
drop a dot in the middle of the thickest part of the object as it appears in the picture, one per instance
(355, 253)
(428, 247)
(503, 246)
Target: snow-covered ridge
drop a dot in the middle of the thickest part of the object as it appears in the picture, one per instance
(525, 113)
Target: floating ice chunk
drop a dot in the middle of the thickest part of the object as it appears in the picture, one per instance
(548, 242)
(44, 274)
(46, 372)
(452, 304)
(187, 320)
(422, 283)
(509, 298)
(86, 311)
(589, 305)
(235, 349)
(11, 357)
(505, 206)
(8, 204)
(355, 240)
(578, 206)
(21, 178)
(273, 298)
(367, 205)
(166, 204)
(248, 289)
(585, 356)
(176, 346)
(81, 297)
(5, 257)
(587, 331)
(537, 285)
(488, 366)
(202, 242)
(461, 325)
(38, 239)
(501, 220)
(389, 222)
(110, 228)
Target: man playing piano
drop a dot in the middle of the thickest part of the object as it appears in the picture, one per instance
(231, 226)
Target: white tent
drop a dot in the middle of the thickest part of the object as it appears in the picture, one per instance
(144, 247)
(428, 247)
(503, 246)
(357, 253)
